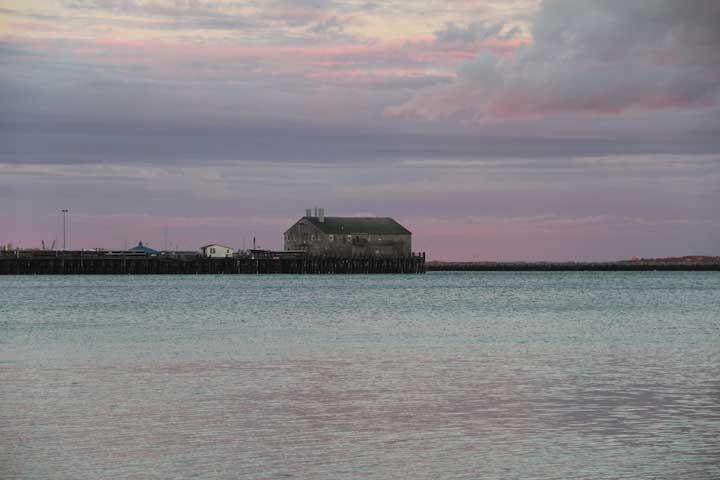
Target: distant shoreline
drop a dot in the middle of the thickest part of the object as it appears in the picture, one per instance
(623, 266)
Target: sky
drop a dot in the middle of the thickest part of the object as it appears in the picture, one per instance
(493, 130)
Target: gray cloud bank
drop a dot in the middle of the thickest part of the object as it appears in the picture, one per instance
(589, 56)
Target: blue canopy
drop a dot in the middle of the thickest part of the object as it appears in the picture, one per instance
(142, 248)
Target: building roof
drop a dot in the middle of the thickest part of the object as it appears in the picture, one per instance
(215, 245)
(352, 225)
(142, 248)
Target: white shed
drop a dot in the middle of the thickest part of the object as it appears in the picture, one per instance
(216, 251)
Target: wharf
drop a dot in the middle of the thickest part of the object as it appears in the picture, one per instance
(122, 263)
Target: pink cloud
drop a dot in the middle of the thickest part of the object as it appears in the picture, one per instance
(410, 57)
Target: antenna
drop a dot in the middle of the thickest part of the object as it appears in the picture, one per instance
(64, 212)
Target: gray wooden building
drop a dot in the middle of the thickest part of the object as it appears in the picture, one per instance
(349, 236)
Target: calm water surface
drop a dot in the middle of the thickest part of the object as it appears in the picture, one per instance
(446, 375)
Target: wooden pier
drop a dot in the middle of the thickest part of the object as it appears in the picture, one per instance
(94, 263)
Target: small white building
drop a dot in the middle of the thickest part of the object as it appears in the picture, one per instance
(216, 251)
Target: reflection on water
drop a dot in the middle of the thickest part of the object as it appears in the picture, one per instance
(471, 375)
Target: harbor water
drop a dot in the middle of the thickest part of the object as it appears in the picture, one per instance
(562, 375)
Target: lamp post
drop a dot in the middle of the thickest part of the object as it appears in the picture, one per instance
(64, 211)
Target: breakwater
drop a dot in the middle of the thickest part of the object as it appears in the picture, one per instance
(628, 266)
(113, 263)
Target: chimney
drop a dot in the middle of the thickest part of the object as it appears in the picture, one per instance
(308, 212)
(321, 214)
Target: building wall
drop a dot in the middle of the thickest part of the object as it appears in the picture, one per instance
(301, 236)
(306, 236)
(217, 251)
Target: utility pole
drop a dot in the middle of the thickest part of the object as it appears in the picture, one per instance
(64, 212)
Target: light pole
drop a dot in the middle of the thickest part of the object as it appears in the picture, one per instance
(64, 211)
